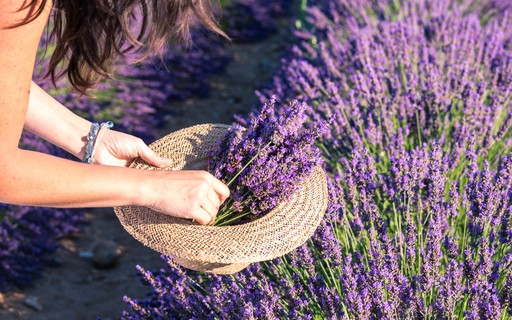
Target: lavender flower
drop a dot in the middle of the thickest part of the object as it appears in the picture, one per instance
(265, 163)
(418, 152)
(28, 237)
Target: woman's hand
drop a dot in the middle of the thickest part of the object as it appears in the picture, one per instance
(115, 148)
(189, 194)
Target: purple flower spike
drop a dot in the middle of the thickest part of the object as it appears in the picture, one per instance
(265, 163)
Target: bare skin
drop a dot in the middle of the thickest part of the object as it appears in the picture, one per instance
(33, 178)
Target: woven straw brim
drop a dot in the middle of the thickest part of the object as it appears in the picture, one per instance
(222, 249)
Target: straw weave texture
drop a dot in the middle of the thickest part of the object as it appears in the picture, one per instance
(222, 249)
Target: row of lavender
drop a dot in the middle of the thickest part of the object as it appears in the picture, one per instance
(137, 102)
(419, 97)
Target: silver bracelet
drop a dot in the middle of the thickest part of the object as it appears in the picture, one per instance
(91, 139)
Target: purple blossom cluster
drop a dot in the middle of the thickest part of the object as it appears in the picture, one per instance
(28, 237)
(419, 98)
(264, 163)
(181, 295)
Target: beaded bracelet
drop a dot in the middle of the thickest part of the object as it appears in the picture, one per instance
(92, 137)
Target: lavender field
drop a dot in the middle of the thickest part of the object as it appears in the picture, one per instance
(417, 96)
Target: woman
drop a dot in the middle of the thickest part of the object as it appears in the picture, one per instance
(89, 34)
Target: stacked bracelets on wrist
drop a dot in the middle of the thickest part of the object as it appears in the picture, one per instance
(92, 137)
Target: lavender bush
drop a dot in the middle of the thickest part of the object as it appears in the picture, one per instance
(264, 163)
(28, 237)
(418, 155)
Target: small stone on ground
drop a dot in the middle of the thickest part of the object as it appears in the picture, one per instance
(33, 303)
(106, 254)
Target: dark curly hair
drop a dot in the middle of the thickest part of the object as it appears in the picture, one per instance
(90, 34)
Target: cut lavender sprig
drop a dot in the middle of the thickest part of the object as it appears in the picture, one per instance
(265, 163)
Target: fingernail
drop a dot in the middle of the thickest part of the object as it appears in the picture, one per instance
(167, 162)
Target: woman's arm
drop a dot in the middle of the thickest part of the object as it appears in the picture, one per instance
(50, 120)
(33, 178)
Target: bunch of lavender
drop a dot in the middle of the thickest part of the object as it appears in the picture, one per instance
(264, 163)
(419, 225)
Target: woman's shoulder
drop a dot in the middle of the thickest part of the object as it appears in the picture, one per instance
(16, 14)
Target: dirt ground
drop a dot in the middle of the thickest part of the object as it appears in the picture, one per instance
(76, 289)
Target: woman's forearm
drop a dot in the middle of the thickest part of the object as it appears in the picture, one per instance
(33, 178)
(50, 120)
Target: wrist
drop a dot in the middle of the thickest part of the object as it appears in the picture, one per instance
(142, 189)
(50, 120)
(92, 139)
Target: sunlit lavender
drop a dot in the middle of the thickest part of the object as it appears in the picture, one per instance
(420, 173)
(264, 162)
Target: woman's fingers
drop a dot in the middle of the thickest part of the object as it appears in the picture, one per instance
(212, 205)
(185, 194)
(220, 188)
(151, 157)
(202, 216)
(211, 200)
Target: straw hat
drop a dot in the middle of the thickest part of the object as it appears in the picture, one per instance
(222, 249)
